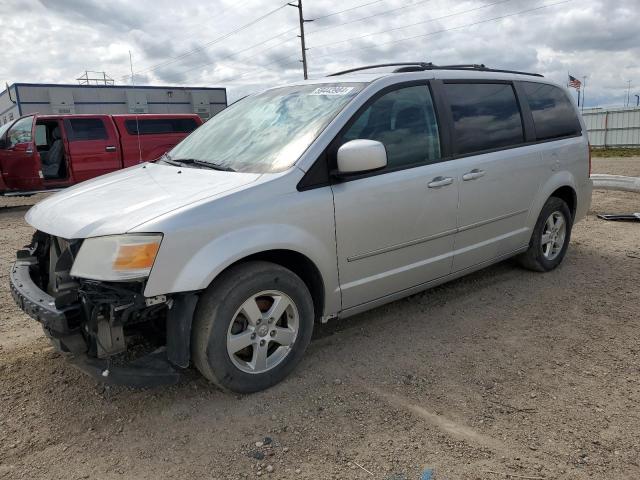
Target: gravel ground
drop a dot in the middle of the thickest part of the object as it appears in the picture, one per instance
(503, 371)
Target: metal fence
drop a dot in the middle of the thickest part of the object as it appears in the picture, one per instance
(613, 127)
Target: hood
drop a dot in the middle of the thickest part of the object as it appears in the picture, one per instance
(117, 202)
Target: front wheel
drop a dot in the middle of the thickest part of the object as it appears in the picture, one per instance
(252, 326)
(550, 237)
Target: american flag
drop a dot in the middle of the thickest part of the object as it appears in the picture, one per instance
(574, 82)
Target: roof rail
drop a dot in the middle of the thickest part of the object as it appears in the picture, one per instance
(422, 66)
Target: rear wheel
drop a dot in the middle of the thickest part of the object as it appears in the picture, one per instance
(550, 237)
(252, 326)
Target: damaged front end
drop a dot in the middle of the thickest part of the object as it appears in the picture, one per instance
(114, 332)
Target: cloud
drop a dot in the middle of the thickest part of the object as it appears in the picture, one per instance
(117, 15)
(193, 42)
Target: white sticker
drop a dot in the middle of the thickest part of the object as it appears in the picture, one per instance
(331, 91)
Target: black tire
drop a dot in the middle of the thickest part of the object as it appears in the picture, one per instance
(534, 258)
(215, 312)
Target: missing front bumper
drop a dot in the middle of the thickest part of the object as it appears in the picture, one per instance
(39, 305)
(64, 327)
(152, 370)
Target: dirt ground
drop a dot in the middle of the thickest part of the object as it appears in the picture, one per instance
(503, 371)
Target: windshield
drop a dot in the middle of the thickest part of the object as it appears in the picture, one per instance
(269, 131)
(4, 128)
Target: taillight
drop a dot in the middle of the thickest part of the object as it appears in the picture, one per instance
(589, 144)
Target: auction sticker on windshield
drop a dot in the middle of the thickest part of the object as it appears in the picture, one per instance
(331, 91)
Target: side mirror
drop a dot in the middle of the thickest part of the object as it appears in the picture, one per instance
(360, 156)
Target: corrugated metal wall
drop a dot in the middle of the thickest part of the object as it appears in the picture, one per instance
(93, 99)
(618, 127)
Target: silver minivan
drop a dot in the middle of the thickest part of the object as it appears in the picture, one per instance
(306, 202)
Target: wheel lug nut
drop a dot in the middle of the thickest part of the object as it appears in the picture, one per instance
(262, 342)
(271, 320)
(273, 333)
(253, 336)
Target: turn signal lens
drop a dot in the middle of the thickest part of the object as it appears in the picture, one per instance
(117, 258)
(134, 257)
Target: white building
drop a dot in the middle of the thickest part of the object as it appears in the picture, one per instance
(25, 98)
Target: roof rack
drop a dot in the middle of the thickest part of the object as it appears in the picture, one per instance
(422, 66)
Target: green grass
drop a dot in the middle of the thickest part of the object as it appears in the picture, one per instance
(615, 152)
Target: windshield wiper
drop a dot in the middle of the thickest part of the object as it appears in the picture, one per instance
(179, 162)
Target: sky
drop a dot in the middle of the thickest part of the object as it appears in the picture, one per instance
(250, 45)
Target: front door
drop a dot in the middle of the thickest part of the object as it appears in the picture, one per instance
(19, 159)
(395, 229)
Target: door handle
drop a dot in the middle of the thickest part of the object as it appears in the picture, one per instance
(473, 174)
(440, 182)
(110, 148)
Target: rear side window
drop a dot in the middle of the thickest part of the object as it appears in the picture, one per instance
(86, 129)
(404, 121)
(552, 111)
(486, 116)
(160, 126)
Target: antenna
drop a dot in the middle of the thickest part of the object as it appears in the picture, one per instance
(133, 84)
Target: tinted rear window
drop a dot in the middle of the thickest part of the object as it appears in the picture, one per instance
(485, 116)
(553, 112)
(159, 126)
(86, 129)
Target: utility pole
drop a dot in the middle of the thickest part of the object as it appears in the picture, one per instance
(302, 42)
(637, 100)
(584, 88)
(628, 92)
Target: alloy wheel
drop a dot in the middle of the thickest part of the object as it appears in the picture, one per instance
(263, 331)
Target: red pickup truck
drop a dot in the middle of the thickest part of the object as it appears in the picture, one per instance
(49, 152)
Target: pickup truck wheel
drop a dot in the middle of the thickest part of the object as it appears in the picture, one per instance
(550, 237)
(252, 326)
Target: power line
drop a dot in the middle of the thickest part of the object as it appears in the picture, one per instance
(248, 48)
(322, 17)
(212, 42)
(296, 60)
(386, 12)
(261, 67)
(445, 29)
(413, 24)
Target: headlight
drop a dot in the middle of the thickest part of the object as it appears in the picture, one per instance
(116, 257)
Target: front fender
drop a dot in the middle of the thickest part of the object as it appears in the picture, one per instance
(199, 270)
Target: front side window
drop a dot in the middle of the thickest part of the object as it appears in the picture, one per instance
(87, 129)
(267, 132)
(20, 132)
(553, 114)
(486, 116)
(41, 135)
(404, 122)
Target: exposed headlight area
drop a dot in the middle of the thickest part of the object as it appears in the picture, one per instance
(117, 258)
